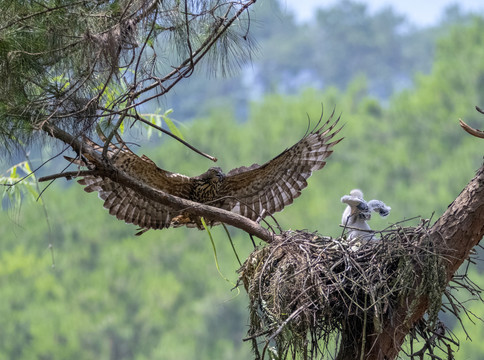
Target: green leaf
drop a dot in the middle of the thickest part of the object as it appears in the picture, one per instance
(13, 172)
(16, 185)
(32, 191)
(169, 122)
(215, 255)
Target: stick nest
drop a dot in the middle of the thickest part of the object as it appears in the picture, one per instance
(305, 289)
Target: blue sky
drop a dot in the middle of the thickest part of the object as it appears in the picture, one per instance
(420, 12)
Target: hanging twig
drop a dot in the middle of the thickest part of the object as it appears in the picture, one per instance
(139, 118)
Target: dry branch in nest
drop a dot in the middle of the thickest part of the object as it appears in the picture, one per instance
(307, 290)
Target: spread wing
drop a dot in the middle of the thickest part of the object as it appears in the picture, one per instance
(251, 190)
(379, 207)
(125, 203)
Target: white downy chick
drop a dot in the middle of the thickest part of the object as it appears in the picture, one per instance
(358, 212)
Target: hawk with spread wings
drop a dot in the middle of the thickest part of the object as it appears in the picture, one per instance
(254, 192)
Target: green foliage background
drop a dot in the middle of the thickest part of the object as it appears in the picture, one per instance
(160, 296)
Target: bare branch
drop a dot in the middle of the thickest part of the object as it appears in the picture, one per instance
(139, 118)
(69, 175)
(471, 130)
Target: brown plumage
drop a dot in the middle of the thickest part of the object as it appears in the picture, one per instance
(249, 191)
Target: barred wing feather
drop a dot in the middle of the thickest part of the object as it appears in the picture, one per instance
(251, 190)
(127, 205)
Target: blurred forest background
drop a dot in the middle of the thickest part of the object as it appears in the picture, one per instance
(76, 284)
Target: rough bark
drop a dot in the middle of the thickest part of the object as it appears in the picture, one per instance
(458, 230)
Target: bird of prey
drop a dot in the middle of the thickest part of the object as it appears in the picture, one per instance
(254, 192)
(358, 212)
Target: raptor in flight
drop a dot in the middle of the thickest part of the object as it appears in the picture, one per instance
(254, 192)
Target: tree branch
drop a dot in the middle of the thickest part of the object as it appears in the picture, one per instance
(70, 174)
(461, 227)
(471, 130)
(104, 168)
(191, 147)
(458, 230)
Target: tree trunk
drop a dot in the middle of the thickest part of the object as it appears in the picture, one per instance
(458, 230)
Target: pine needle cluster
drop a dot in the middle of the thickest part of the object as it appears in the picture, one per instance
(74, 63)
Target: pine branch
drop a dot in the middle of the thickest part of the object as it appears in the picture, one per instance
(73, 75)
